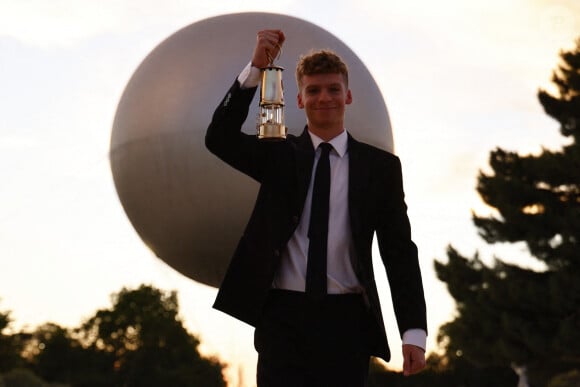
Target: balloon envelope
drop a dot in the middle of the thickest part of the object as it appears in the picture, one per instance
(188, 206)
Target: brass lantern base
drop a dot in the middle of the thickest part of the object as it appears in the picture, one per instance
(272, 132)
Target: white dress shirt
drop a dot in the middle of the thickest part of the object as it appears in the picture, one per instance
(341, 278)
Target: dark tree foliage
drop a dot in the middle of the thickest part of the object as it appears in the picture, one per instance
(506, 314)
(139, 341)
(146, 344)
(445, 370)
(22, 377)
(57, 356)
(10, 345)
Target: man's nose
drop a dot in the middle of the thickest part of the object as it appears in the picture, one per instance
(324, 95)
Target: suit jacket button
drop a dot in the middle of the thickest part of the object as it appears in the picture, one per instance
(295, 219)
(276, 253)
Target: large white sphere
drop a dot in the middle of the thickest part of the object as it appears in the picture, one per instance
(186, 205)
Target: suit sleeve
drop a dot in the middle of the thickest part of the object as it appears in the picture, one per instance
(399, 253)
(224, 136)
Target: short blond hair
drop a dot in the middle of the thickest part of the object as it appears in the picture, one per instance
(321, 62)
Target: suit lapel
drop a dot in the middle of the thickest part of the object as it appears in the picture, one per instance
(358, 178)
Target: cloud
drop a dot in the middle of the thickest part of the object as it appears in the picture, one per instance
(64, 23)
(59, 22)
(17, 142)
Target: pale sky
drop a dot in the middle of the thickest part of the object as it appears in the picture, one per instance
(459, 79)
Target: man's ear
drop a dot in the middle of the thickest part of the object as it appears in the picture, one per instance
(348, 100)
(299, 101)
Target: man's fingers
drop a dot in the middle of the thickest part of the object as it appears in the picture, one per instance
(268, 46)
(271, 37)
(281, 37)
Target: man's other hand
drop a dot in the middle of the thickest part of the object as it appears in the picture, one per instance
(413, 359)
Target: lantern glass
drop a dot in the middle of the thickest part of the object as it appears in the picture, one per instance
(271, 122)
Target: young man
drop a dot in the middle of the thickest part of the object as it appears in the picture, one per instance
(302, 272)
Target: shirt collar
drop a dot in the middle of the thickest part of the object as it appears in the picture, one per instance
(339, 143)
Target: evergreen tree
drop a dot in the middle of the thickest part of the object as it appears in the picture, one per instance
(508, 314)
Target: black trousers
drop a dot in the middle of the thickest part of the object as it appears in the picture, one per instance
(313, 343)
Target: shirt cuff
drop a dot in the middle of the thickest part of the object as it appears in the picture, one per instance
(249, 77)
(417, 337)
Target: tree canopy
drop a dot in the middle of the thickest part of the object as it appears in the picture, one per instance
(146, 342)
(10, 345)
(507, 314)
(139, 341)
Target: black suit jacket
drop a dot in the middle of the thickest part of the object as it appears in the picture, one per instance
(283, 169)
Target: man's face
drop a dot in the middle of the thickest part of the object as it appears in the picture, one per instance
(324, 97)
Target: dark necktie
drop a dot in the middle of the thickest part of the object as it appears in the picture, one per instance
(318, 228)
